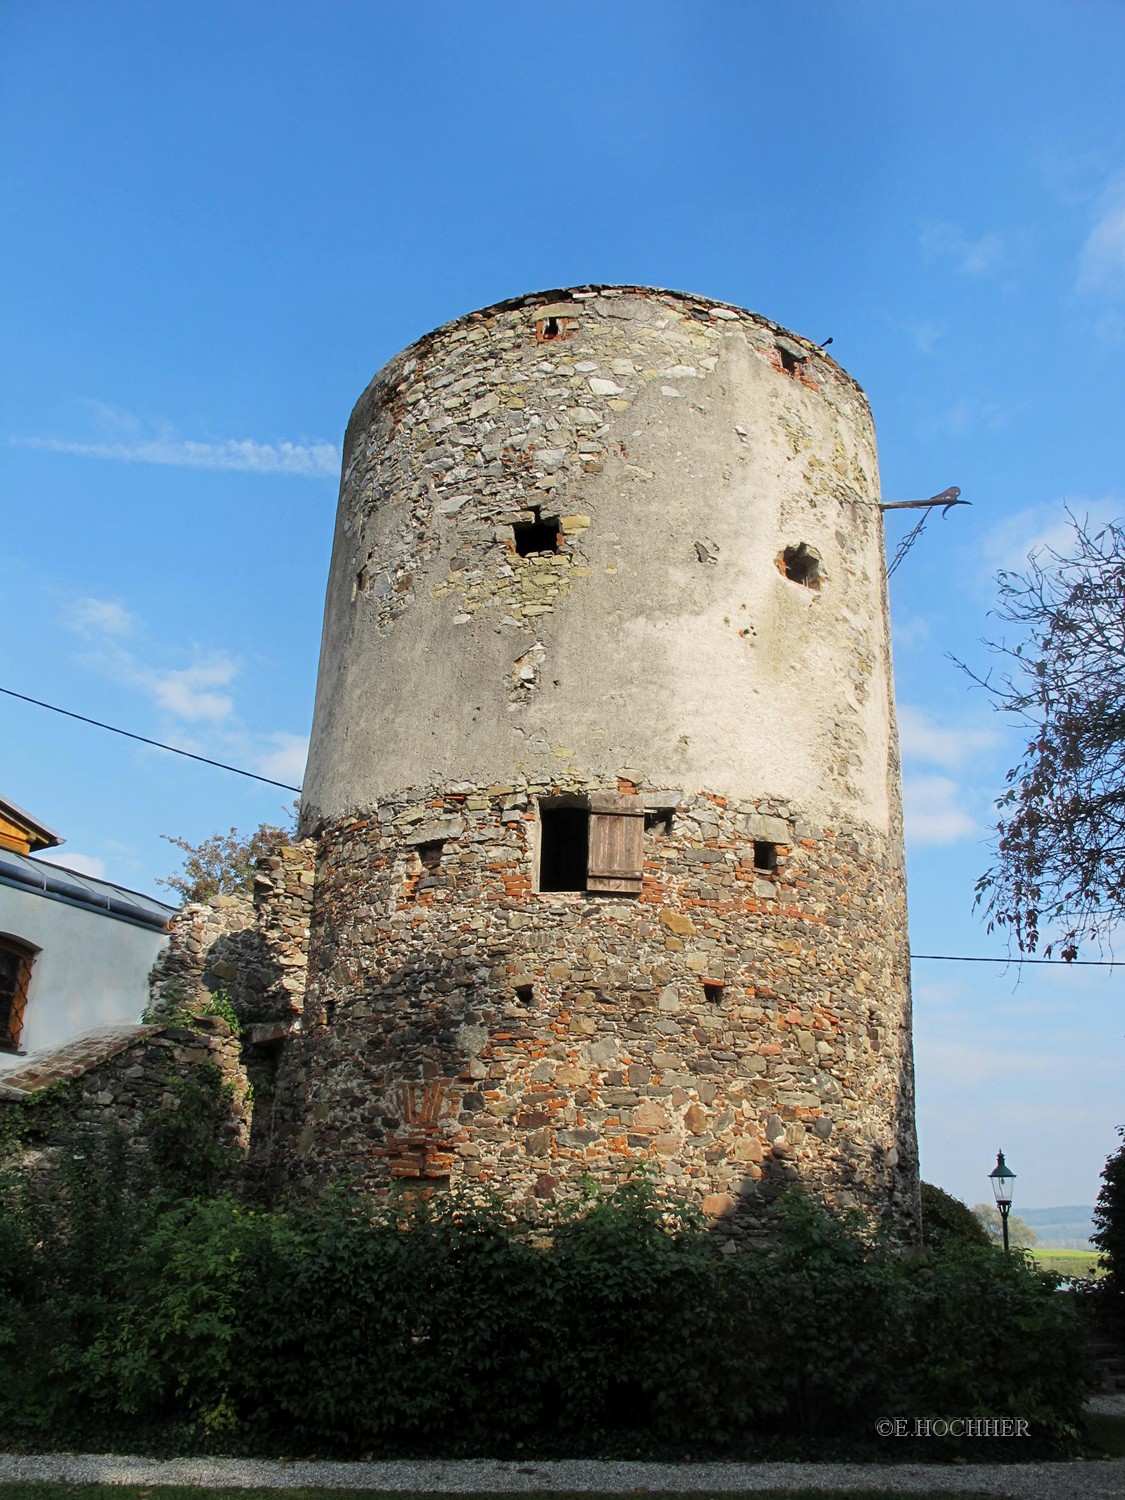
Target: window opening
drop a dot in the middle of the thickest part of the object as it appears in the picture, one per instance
(552, 328)
(596, 847)
(540, 535)
(800, 565)
(525, 992)
(789, 361)
(430, 854)
(564, 843)
(658, 822)
(765, 855)
(15, 975)
(713, 990)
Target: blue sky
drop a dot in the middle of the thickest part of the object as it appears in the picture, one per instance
(222, 219)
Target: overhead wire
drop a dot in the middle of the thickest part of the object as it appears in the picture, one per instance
(951, 958)
(144, 740)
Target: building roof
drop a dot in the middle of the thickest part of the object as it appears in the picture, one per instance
(19, 830)
(57, 883)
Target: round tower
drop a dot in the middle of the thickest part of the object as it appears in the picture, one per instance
(604, 771)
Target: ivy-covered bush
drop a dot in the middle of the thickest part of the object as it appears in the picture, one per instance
(446, 1327)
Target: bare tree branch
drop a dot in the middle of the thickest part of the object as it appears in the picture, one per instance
(1059, 866)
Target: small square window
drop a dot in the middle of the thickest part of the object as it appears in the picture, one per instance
(540, 535)
(765, 855)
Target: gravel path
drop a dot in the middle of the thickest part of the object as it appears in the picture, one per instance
(1102, 1480)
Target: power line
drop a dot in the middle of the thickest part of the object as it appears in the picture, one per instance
(1073, 963)
(159, 745)
(949, 958)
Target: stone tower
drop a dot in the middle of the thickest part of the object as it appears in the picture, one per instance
(604, 772)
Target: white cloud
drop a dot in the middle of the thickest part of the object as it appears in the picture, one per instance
(941, 241)
(1008, 544)
(1101, 264)
(972, 416)
(911, 631)
(184, 692)
(923, 334)
(82, 864)
(308, 460)
(941, 745)
(100, 617)
(931, 813)
(285, 760)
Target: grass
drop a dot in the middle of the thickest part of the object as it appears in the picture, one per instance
(1107, 1434)
(24, 1491)
(1068, 1262)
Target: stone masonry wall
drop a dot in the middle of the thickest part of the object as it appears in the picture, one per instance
(738, 1030)
(125, 1082)
(253, 948)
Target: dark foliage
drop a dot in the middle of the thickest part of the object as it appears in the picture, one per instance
(449, 1328)
(946, 1222)
(1109, 1232)
(1059, 870)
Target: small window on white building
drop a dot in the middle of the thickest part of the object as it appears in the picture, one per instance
(15, 976)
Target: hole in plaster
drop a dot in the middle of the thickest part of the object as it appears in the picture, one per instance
(801, 565)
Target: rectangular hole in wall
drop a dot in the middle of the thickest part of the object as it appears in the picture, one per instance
(765, 855)
(540, 535)
(713, 990)
(564, 842)
(430, 854)
(659, 822)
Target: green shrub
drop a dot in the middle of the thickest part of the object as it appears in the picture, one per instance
(453, 1327)
(947, 1222)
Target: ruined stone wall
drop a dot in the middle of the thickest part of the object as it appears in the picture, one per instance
(608, 542)
(121, 1082)
(255, 949)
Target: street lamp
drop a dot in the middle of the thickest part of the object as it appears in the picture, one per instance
(1002, 1178)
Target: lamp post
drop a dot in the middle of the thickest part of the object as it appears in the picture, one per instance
(1002, 1178)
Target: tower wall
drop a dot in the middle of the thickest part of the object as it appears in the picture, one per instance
(606, 611)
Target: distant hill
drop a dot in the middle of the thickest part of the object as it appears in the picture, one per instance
(1067, 1228)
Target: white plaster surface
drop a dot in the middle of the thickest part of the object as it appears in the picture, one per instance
(91, 969)
(719, 675)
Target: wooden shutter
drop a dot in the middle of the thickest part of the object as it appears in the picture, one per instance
(617, 826)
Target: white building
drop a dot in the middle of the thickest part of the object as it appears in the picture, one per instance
(75, 952)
